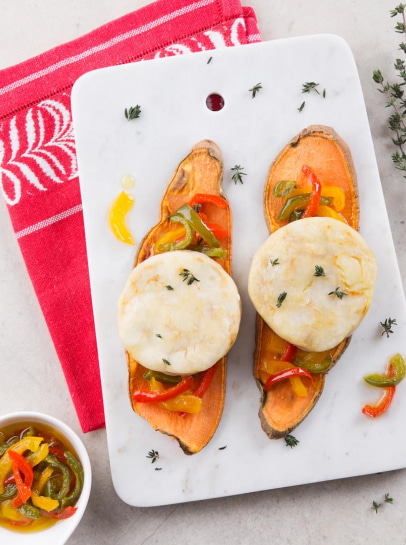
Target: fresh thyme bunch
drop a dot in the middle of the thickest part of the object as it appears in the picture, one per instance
(394, 93)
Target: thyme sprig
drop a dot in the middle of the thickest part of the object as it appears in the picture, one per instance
(375, 505)
(188, 277)
(133, 112)
(153, 455)
(274, 262)
(291, 441)
(310, 86)
(319, 271)
(238, 173)
(340, 294)
(254, 90)
(394, 94)
(387, 326)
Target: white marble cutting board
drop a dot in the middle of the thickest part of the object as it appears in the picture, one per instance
(336, 440)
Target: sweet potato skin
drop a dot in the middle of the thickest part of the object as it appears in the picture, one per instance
(200, 172)
(329, 156)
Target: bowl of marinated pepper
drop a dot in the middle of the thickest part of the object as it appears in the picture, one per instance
(45, 479)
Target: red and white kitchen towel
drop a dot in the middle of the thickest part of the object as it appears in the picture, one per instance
(38, 168)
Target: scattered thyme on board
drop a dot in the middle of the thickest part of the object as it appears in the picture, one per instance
(133, 112)
(387, 326)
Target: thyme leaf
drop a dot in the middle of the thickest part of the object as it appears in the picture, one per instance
(310, 86)
(274, 261)
(254, 90)
(238, 173)
(340, 294)
(375, 505)
(169, 288)
(133, 112)
(166, 362)
(388, 499)
(281, 298)
(319, 271)
(154, 455)
(291, 441)
(300, 109)
(188, 277)
(387, 326)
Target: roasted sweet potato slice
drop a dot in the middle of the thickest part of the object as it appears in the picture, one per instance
(200, 172)
(329, 156)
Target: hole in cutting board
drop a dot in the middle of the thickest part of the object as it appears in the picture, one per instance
(215, 102)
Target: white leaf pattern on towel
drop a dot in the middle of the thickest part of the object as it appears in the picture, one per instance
(37, 148)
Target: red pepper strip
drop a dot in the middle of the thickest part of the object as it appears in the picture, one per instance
(64, 514)
(205, 381)
(144, 396)
(201, 198)
(289, 352)
(24, 491)
(59, 454)
(202, 216)
(21, 463)
(385, 401)
(311, 209)
(287, 373)
(217, 230)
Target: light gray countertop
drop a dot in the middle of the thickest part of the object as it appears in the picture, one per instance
(335, 512)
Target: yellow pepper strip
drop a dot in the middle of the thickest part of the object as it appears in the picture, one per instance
(330, 191)
(117, 214)
(169, 236)
(36, 457)
(28, 443)
(185, 403)
(8, 512)
(328, 212)
(42, 502)
(38, 486)
(270, 367)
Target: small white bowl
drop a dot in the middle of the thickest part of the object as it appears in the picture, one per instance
(59, 533)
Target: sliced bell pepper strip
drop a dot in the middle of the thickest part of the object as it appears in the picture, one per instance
(43, 479)
(289, 352)
(214, 252)
(22, 464)
(23, 491)
(399, 370)
(29, 511)
(42, 502)
(13, 515)
(180, 244)
(77, 470)
(52, 461)
(58, 453)
(201, 198)
(198, 225)
(217, 230)
(316, 192)
(287, 373)
(63, 514)
(143, 396)
(182, 403)
(169, 237)
(36, 457)
(299, 202)
(161, 377)
(284, 188)
(205, 381)
(9, 492)
(328, 212)
(384, 403)
(315, 367)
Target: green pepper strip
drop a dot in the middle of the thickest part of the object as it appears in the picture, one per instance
(161, 377)
(5, 446)
(319, 367)
(198, 225)
(185, 242)
(66, 478)
(382, 381)
(283, 188)
(9, 492)
(299, 201)
(29, 511)
(77, 470)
